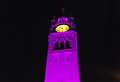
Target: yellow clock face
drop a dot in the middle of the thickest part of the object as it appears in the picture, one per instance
(62, 28)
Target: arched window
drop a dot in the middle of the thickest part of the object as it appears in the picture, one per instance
(67, 45)
(56, 46)
(61, 45)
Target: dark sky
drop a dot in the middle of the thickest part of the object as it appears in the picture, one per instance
(24, 29)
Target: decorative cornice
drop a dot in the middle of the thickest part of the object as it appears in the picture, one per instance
(62, 20)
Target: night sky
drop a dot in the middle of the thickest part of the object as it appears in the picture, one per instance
(24, 27)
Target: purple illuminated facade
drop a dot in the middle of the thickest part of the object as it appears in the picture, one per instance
(62, 59)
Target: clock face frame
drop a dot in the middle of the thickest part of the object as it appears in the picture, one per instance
(62, 28)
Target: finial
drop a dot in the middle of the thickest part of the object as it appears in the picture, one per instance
(63, 11)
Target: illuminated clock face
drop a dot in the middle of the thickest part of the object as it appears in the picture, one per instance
(62, 28)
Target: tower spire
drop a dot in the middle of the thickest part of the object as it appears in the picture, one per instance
(63, 11)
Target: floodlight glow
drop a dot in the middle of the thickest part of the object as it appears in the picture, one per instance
(62, 56)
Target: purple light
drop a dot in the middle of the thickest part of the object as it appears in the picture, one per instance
(62, 20)
(62, 64)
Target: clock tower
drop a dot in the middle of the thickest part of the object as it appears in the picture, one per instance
(62, 57)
